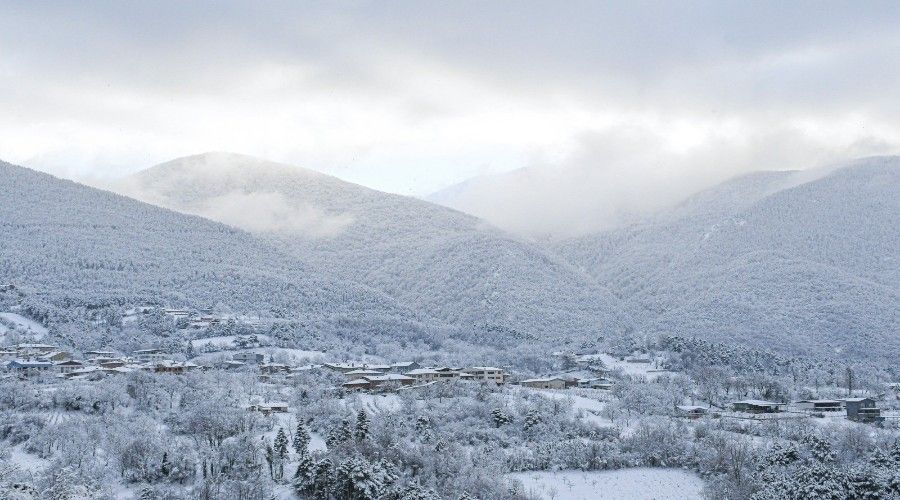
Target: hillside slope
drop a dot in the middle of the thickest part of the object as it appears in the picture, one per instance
(433, 259)
(805, 266)
(78, 246)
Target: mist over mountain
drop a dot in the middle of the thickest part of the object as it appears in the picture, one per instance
(783, 260)
(439, 261)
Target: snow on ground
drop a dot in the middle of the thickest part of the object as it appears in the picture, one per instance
(222, 346)
(590, 408)
(376, 403)
(633, 484)
(647, 370)
(316, 442)
(22, 323)
(26, 461)
(223, 342)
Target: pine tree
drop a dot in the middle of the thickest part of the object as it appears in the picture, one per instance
(362, 426)
(340, 434)
(415, 491)
(818, 481)
(820, 448)
(866, 484)
(782, 454)
(895, 452)
(305, 475)
(281, 444)
(532, 419)
(359, 479)
(270, 460)
(880, 459)
(323, 479)
(301, 439)
(500, 417)
(165, 467)
(189, 350)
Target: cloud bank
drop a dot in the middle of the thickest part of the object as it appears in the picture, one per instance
(604, 105)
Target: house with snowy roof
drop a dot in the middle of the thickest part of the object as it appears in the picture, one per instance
(385, 381)
(29, 367)
(355, 374)
(595, 383)
(405, 366)
(819, 405)
(68, 365)
(691, 411)
(487, 374)
(863, 410)
(545, 383)
(150, 355)
(249, 357)
(423, 374)
(268, 408)
(176, 367)
(757, 406)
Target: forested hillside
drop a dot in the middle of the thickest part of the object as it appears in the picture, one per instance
(767, 260)
(433, 259)
(77, 247)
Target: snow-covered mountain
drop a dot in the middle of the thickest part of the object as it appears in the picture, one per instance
(77, 246)
(786, 260)
(436, 260)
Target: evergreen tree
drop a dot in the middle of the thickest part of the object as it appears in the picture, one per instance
(423, 428)
(819, 448)
(359, 479)
(532, 419)
(866, 484)
(270, 460)
(500, 417)
(880, 459)
(323, 479)
(305, 475)
(165, 467)
(281, 444)
(782, 454)
(340, 434)
(361, 433)
(301, 439)
(415, 491)
(895, 452)
(818, 481)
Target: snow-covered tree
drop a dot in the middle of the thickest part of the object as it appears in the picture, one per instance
(301, 438)
(500, 417)
(361, 431)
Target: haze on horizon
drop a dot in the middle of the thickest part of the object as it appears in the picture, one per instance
(597, 109)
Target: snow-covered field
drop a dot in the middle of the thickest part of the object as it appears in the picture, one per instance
(21, 323)
(647, 370)
(219, 346)
(590, 409)
(632, 484)
(376, 403)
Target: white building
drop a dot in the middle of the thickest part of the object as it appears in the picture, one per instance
(487, 374)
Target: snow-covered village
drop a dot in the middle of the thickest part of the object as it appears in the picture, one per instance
(449, 250)
(239, 411)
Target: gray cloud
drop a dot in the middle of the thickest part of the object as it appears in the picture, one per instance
(619, 98)
(624, 174)
(271, 213)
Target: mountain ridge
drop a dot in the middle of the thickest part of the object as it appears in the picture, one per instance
(405, 247)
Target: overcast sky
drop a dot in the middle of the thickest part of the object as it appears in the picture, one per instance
(411, 97)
